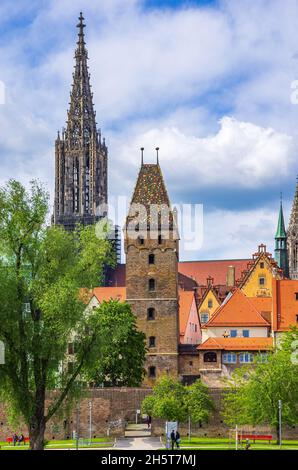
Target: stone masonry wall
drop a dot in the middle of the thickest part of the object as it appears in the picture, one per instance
(112, 407)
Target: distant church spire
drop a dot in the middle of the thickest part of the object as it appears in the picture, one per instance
(281, 253)
(81, 122)
(81, 153)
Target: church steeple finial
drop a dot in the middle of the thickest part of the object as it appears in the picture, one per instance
(81, 35)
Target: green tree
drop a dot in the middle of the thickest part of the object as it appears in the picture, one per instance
(121, 361)
(41, 271)
(253, 394)
(173, 401)
(198, 402)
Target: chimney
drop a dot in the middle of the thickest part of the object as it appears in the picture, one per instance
(231, 276)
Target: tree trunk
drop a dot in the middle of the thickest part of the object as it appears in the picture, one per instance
(38, 422)
(36, 433)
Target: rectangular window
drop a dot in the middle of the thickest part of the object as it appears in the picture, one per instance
(261, 281)
(296, 295)
(70, 349)
(210, 303)
(263, 357)
(152, 342)
(152, 372)
(246, 358)
(262, 265)
(204, 317)
(229, 358)
(245, 333)
(151, 259)
(296, 318)
(233, 333)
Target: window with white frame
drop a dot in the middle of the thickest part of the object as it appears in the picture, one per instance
(233, 333)
(246, 358)
(262, 358)
(204, 317)
(245, 333)
(229, 358)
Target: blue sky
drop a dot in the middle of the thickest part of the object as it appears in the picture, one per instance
(209, 82)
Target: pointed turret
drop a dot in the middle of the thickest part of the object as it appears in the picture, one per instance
(81, 154)
(281, 252)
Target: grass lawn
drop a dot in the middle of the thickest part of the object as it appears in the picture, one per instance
(224, 444)
(64, 444)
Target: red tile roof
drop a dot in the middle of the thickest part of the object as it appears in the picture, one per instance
(197, 271)
(237, 310)
(237, 344)
(285, 305)
(108, 293)
(186, 299)
(217, 269)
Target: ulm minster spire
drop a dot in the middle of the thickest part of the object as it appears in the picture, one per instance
(81, 154)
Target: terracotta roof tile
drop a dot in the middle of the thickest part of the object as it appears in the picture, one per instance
(237, 344)
(285, 305)
(237, 310)
(192, 272)
(186, 299)
(108, 293)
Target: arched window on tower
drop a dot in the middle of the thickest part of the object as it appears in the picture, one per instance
(151, 313)
(151, 284)
(151, 258)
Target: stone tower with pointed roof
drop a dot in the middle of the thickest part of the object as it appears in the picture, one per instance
(80, 153)
(292, 238)
(281, 252)
(151, 247)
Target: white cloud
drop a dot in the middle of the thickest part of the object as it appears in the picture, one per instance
(240, 234)
(165, 78)
(240, 154)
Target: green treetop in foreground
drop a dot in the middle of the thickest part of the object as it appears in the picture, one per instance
(41, 305)
(173, 401)
(253, 393)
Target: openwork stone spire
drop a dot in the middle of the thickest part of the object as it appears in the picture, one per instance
(81, 154)
(292, 241)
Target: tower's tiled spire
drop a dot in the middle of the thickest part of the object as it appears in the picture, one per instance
(81, 124)
(281, 230)
(281, 252)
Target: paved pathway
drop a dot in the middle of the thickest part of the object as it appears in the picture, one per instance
(138, 443)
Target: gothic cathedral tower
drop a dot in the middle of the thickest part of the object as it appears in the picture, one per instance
(293, 238)
(151, 247)
(80, 153)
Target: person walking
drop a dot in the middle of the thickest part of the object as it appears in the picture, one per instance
(15, 439)
(149, 421)
(173, 439)
(177, 439)
(21, 439)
